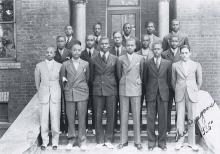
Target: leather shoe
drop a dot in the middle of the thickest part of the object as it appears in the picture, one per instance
(163, 147)
(54, 147)
(43, 147)
(120, 146)
(138, 146)
(151, 148)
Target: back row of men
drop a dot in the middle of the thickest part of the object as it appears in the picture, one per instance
(126, 72)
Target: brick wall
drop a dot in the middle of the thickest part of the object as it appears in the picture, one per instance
(38, 23)
(201, 20)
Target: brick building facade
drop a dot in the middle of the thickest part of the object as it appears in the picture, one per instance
(38, 22)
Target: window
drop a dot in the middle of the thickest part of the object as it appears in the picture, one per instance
(7, 30)
(123, 2)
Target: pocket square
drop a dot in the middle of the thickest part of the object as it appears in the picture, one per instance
(84, 70)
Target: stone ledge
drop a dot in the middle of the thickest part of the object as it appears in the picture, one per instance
(4, 97)
(10, 65)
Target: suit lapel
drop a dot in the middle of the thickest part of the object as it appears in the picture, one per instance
(101, 64)
(181, 69)
(72, 67)
(153, 66)
(79, 70)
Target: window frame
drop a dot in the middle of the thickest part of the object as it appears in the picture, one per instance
(138, 5)
(14, 58)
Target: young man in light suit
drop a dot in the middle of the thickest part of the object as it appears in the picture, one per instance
(130, 72)
(186, 81)
(49, 94)
(105, 83)
(157, 78)
(75, 76)
(173, 55)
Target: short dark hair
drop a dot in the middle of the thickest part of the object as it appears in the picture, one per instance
(59, 36)
(68, 26)
(104, 38)
(97, 23)
(76, 42)
(125, 24)
(175, 20)
(172, 36)
(148, 22)
(185, 47)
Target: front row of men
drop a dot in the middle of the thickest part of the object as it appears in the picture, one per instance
(110, 77)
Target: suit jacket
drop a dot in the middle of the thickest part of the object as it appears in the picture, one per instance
(130, 75)
(70, 43)
(113, 51)
(168, 55)
(76, 87)
(85, 55)
(47, 82)
(190, 82)
(183, 40)
(104, 75)
(157, 80)
(61, 58)
(148, 57)
(138, 43)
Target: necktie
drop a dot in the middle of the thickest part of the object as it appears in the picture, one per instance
(157, 63)
(68, 39)
(89, 53)
(104, 57)
(117, 52)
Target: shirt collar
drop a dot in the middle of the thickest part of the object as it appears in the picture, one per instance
(75, 60)
(130, 56)
(106, 54)
(155, 59)
(174, 51)
(91, 50)
(127, 37)
(70, 38)
(49, 61)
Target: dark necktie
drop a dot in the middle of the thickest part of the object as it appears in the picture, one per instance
(68, 40)
(89, 51)
(104, 57)
(117, 52)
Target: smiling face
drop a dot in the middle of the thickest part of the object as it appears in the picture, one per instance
(174, 42)
(157, 50)
(50, 53)
(104, 45)
(130, 46)
(76, 51)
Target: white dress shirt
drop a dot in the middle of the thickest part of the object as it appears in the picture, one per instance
(159, 60)
(68, 39)
(185, 65)
(174, 51)
(90, 50)
(75, 63)
(106, 54)
(61, 51)
(118, 49)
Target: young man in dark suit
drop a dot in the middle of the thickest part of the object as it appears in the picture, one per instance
(173, 55)
(62, 54)
(97, 30)
(105, 84)
(175, 30)
(70, 40)
(127, 34)
(87, 55)
(157, 78)
(74, 74)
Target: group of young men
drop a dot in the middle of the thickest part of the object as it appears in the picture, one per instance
(119, 74)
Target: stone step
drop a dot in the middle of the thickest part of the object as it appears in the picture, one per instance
(3, 127)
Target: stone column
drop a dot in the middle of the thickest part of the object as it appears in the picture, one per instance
(80, 20)
(163, 8)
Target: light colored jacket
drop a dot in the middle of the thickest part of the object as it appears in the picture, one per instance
(130, 75)
(47, 82)
(190, 82)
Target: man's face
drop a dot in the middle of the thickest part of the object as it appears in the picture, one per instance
(174, 42)
(90, 41)
(97, 30)
(104, 45)
(130, 46)
(185, 54)
(61, 42)
(145, 42)
(68, 31)
(76, 51)
(50, 53)
(117, 39)
(175, 25)
(150, 28)
(127, 29)
(157, 49)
